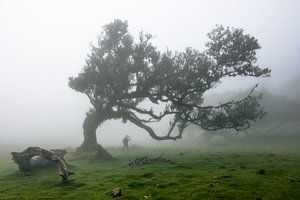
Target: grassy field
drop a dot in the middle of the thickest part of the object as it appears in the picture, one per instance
(199, 173)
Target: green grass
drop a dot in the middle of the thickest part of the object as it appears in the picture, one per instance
(199, 173)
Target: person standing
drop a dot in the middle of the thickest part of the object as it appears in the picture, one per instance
(126, 140)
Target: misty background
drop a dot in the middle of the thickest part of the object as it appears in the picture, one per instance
(43, 43)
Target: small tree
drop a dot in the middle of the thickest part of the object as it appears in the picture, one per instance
(120, 74)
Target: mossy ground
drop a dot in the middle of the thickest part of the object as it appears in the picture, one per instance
(199, 173)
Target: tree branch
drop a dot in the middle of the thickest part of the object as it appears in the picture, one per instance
(23, 158)
(221, 105)
(135, 120)
(147, 112)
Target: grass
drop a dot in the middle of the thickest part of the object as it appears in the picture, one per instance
(199, 173)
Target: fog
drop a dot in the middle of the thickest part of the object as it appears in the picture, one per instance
(42, 43)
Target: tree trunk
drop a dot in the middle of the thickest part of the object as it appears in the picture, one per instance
(90, 125)
(23, 158)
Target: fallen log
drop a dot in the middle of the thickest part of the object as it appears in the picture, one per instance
(146, 160)
(23, 159)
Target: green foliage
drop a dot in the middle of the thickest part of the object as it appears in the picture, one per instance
(236, 51)
(120, 74)
(282, 120)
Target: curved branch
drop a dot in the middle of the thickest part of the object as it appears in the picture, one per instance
(135, 120)
(148, 112)
(23, 158)
(221, 105)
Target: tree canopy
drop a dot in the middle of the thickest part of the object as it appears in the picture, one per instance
(121, 72)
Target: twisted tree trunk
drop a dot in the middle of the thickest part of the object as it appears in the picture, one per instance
(90, 126)
(22, 159)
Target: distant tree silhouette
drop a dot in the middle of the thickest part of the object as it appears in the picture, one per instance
(120, 74)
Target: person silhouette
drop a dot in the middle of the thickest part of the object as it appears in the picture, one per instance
(126, 140)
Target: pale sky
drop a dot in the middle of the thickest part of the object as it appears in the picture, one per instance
(42, 43)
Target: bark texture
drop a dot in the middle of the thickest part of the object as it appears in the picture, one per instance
(90, 125)
(23, 159)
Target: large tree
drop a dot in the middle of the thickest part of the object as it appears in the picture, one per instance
(121, 73)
